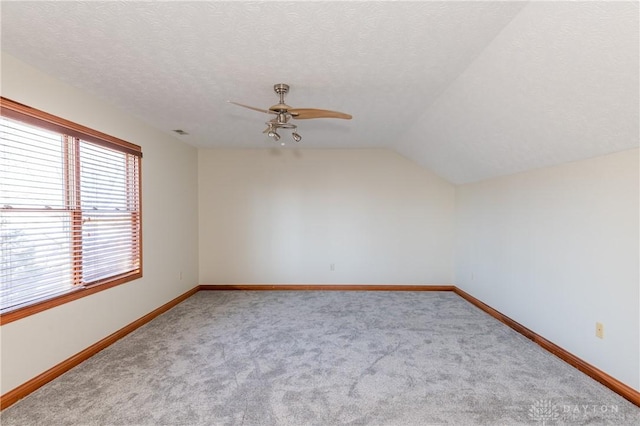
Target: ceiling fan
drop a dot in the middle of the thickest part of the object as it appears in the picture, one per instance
(284, 113)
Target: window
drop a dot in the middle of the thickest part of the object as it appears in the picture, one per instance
(69, 211)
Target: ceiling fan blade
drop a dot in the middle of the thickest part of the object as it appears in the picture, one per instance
(305, 113)
(253, 108)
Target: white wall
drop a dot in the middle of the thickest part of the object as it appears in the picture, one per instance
(169, 196)
(283, 216)
(556, 249)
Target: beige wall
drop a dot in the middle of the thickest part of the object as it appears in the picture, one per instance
(286, 215)
(556, 249)
(169, 195)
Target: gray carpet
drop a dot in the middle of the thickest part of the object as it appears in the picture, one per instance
(323, 358)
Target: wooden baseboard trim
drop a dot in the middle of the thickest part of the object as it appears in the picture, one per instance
(26, 388)
(615, 385)
(325, 287)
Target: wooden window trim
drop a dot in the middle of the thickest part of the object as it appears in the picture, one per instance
(74, 294)
(24, 113)
(29, 115)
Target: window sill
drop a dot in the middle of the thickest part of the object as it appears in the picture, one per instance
(74, 294)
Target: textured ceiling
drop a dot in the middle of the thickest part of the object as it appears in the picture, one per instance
(470, 90)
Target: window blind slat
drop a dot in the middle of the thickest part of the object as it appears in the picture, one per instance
(69, 211)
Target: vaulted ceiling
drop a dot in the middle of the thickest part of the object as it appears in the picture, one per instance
(470, 90)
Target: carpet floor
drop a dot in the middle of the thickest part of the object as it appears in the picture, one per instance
(323, 358)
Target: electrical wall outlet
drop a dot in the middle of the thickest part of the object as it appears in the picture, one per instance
(332, 267)
(599, 330)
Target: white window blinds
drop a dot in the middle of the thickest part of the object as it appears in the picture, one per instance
(69, 212)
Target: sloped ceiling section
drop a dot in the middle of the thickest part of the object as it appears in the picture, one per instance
(470, 90)
(558, 84)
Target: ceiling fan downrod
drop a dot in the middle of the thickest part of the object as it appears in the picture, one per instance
(281, 89)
